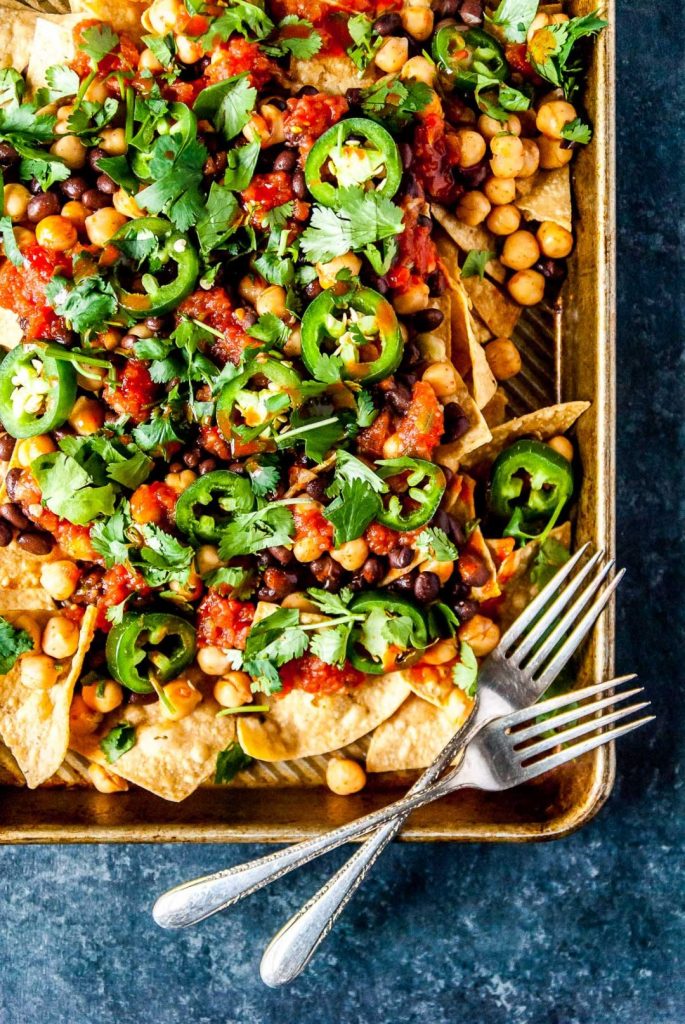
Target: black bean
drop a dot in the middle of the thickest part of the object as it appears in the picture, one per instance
(35, 187)
(95, 200)
(373, 570)
(465, 610)
(6, 447)
(404, 585)
(398, 398)
(175, 467)
(406, 154)
(426, 587)
(129, 341)
(388, 24)
(308, 90)
(437, 283)
(407, 379)
(400, 558)
(154, 324)
(36, 542)
(94, 156)
(456, 422)
(299, 185)
(191, 459)
(316, 489)
(236, 467)
(283, 556)
(428, 319)
(411, 355)
(327, 572)
(12, 480)
(106, 184)
(285, 161)
(12, 512)
(412, 187)
(8, 155)
(473, 569)
(471, 12)
(45, 205)
(249, 318)
(142, 698)
(424, 221)
(451, 526)
(73, 187)
(279, 582)
(206, 466)
(354, 96)
(382, 286)
(553, 270)
(313, 289)
(65, 431)
(5, 534)
(473, 176)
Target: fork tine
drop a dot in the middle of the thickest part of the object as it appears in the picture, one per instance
(551, 614)
(582, 729)
(570, 753)
(533, 711)
(575, 638)
(546, 594)
(573, 715)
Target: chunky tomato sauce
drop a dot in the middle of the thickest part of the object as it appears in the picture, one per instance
(267, 191)
(417, 256)
(124, 56)
(310, 523)
(22, 289)
(154, 503)
(423, 424)
(223, 622)
(311, 674)
(436, 153)
(382, 539)
(135, 392)
(116, 585)
(214, 308)
(234, 58)
(308, 117)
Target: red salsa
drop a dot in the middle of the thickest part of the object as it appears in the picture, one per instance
(311, 674)
(223, 622)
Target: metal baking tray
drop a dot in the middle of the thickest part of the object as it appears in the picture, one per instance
(568, 353)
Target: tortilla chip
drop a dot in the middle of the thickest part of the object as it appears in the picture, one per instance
(494, 307)
(334, 75)
(412, 738)
(17, 27)
(436, 685)
(518, 589)
(460, 503)
(35, 723)
(53, 43)
(10, 331)
(302, 724)
(122, 15)
(541, 425)
(481, 331)
(496, 410)
(547, 196)
(468, 238)
(478, 433)
(170, 759)
(20, 585)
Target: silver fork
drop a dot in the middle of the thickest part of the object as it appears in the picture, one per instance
(502, 757)
(504, 685)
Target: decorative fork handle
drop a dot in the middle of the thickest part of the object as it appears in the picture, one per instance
(194, 901)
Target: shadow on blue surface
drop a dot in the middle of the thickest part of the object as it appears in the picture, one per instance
(586, 931)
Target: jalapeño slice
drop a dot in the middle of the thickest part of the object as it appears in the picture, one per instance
(355, 153)
(210, 503)
(37, 392)
(146, 636)
(393, 605)
(468, 56)
(530, 482)
(426, 486)
(243, 412)
(170, 247)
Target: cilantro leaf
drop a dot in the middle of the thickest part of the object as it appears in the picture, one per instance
(394, 103)
(13, 643)
(13, 86)
(118, 169)
(349, 468)
(356, 505)
(331, 604)
(514, 18)
(270, 329)
(98, 41)
(513, 99)
(264, 473)
(367, 42)
(9, 242)
(330, 645)
(550, 50)
(219, 218)
(228, 104)
(239, 18)
(163, 47)
(434, 543)
(577, 131)
(83, 305)
(109, 537)
(366, 410)
(361, 219)
(162, 558)
(241, 166)
(67, 489)
(118, 741)
(318, 435)
(272, 642)
(240, 582)
(301, 47)
(229, 762)
(153, 436)
(465, 672)
(476, 261)
(252, 531)
(176, 164)
(551, 556)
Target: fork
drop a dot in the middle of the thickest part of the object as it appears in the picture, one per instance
(504, 685)
(503, 756)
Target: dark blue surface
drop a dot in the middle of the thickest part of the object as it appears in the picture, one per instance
(586, 931)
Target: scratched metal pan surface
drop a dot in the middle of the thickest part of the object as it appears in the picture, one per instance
(568, 353)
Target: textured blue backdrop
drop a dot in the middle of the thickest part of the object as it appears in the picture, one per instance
(587, 931)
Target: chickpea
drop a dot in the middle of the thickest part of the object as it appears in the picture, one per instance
(344, 776)
(413, 300)
(520, 251)
(148, 62)
(60, 578)
(392, 54)
(103, 224)
(507, 156)
(113, 141)
(527, 287)
(293, 346)
(419, 69)
(392, 447)
(56, 233)
(32, 447)
(351, 555)
(251, 287)
(562, 445)
(417, 21)
(233, 690)
(553, 154)
(553, 116)
(65, 111)
(164, 14)
(306, 549)
(500, 191)
(555, 241)
(504, 220)
(298, 599)
(87, 416)
(179, 482)
(490, 126)
(531, 158)
(106, 782)
(23, 237)
(188, 50)
(184, 698)
(71, 150)
(76, 214)
(207, 559)
(473, 208)
(473, 147)
(272, 300)
(442, 377)
(328, 272)
(273, 118)
(481, 634)
(213, 661)
(126, 205)
(503, 358)
(443, 570)
(60, 637)
(82, 719)
(38, 671)
(103, 696)
(96, 91)
(16, 200)
(140, 331)
(441, 652)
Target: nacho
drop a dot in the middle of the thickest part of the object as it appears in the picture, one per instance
(468, 238)
(412, 738)
(547, 197)
(541, 425)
